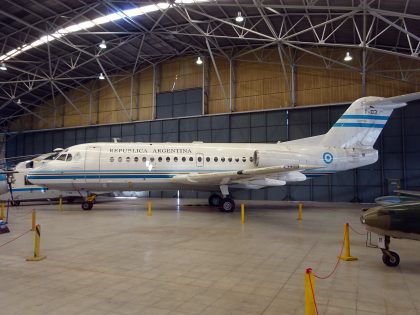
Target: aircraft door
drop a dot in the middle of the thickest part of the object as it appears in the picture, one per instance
(92, 164)
(199, 158)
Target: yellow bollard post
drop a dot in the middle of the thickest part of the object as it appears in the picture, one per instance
(149, 208)
(242, 213)
(33, 220)
(2, 211)
(300, 205)
(347, 256)
(37, 252)
(310, 306)
(60, 204)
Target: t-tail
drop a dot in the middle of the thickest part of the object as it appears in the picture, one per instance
(363, 121)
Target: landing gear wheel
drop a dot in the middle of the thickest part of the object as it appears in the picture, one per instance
(87, 205)
(227, 205)
(215, 200)
(391, 259)
(15, 203)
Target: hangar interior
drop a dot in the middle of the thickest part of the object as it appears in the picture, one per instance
(240, 71)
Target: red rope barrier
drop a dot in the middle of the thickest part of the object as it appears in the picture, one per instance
(15, 238)
(356, 231)
(335, 267)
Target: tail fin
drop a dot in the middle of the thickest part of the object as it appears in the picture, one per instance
(363, 121)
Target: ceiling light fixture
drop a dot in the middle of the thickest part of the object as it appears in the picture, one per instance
(3, 67)
(348, 57)
(199, 61)
(101, 76)
(102, 45)
(19, 102)
(239, 18)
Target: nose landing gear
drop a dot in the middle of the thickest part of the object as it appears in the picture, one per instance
(389, 258)
(88, 203)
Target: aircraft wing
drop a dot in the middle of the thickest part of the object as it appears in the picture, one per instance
(231, 177)
(408, 192)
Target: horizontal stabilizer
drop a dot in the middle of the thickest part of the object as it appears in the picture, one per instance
(395, 101)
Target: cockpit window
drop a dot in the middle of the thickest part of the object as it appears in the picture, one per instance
(69, 157)
(61, 157)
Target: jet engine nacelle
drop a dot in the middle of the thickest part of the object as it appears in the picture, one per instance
(267, 158)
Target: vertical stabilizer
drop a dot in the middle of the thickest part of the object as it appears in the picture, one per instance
(362, 123)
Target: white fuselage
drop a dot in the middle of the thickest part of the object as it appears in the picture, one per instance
(151, 166)
(24, 191)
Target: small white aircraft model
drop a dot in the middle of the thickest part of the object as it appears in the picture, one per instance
(221, 166)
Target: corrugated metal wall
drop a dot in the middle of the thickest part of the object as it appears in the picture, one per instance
(399, 147)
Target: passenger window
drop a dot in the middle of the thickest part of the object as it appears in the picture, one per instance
(143, 159)
(237, 159)
(191, 158)
(111, 159)
(168, 159)
(230, 159)
(77, 156)
(136, 159)
(183, 159)
(251, 159)
(199, 159)
(222, 159)
(152, 159)
(119, 159)
(127, 159)
(244, 159)
(216, 159)
(69, 157)
(207, 159)
(160, 159)
(175, 159)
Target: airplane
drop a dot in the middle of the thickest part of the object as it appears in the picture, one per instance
(221, 166)
(22, 190)
(399, 220)
(4, 187)
(403, 196)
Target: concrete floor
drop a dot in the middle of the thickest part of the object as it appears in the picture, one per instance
(196, 260)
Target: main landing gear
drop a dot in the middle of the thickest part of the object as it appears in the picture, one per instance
(88, 203)
(226, 204)
(389, 258)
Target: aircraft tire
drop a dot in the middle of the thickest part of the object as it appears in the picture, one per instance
(87, 205)
(392, 259)
(227, 205)
(215, 200)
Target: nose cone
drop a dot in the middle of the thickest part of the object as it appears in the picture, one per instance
(4, 188)
(376, 217)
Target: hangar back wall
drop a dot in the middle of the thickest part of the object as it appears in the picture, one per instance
(399, 149)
